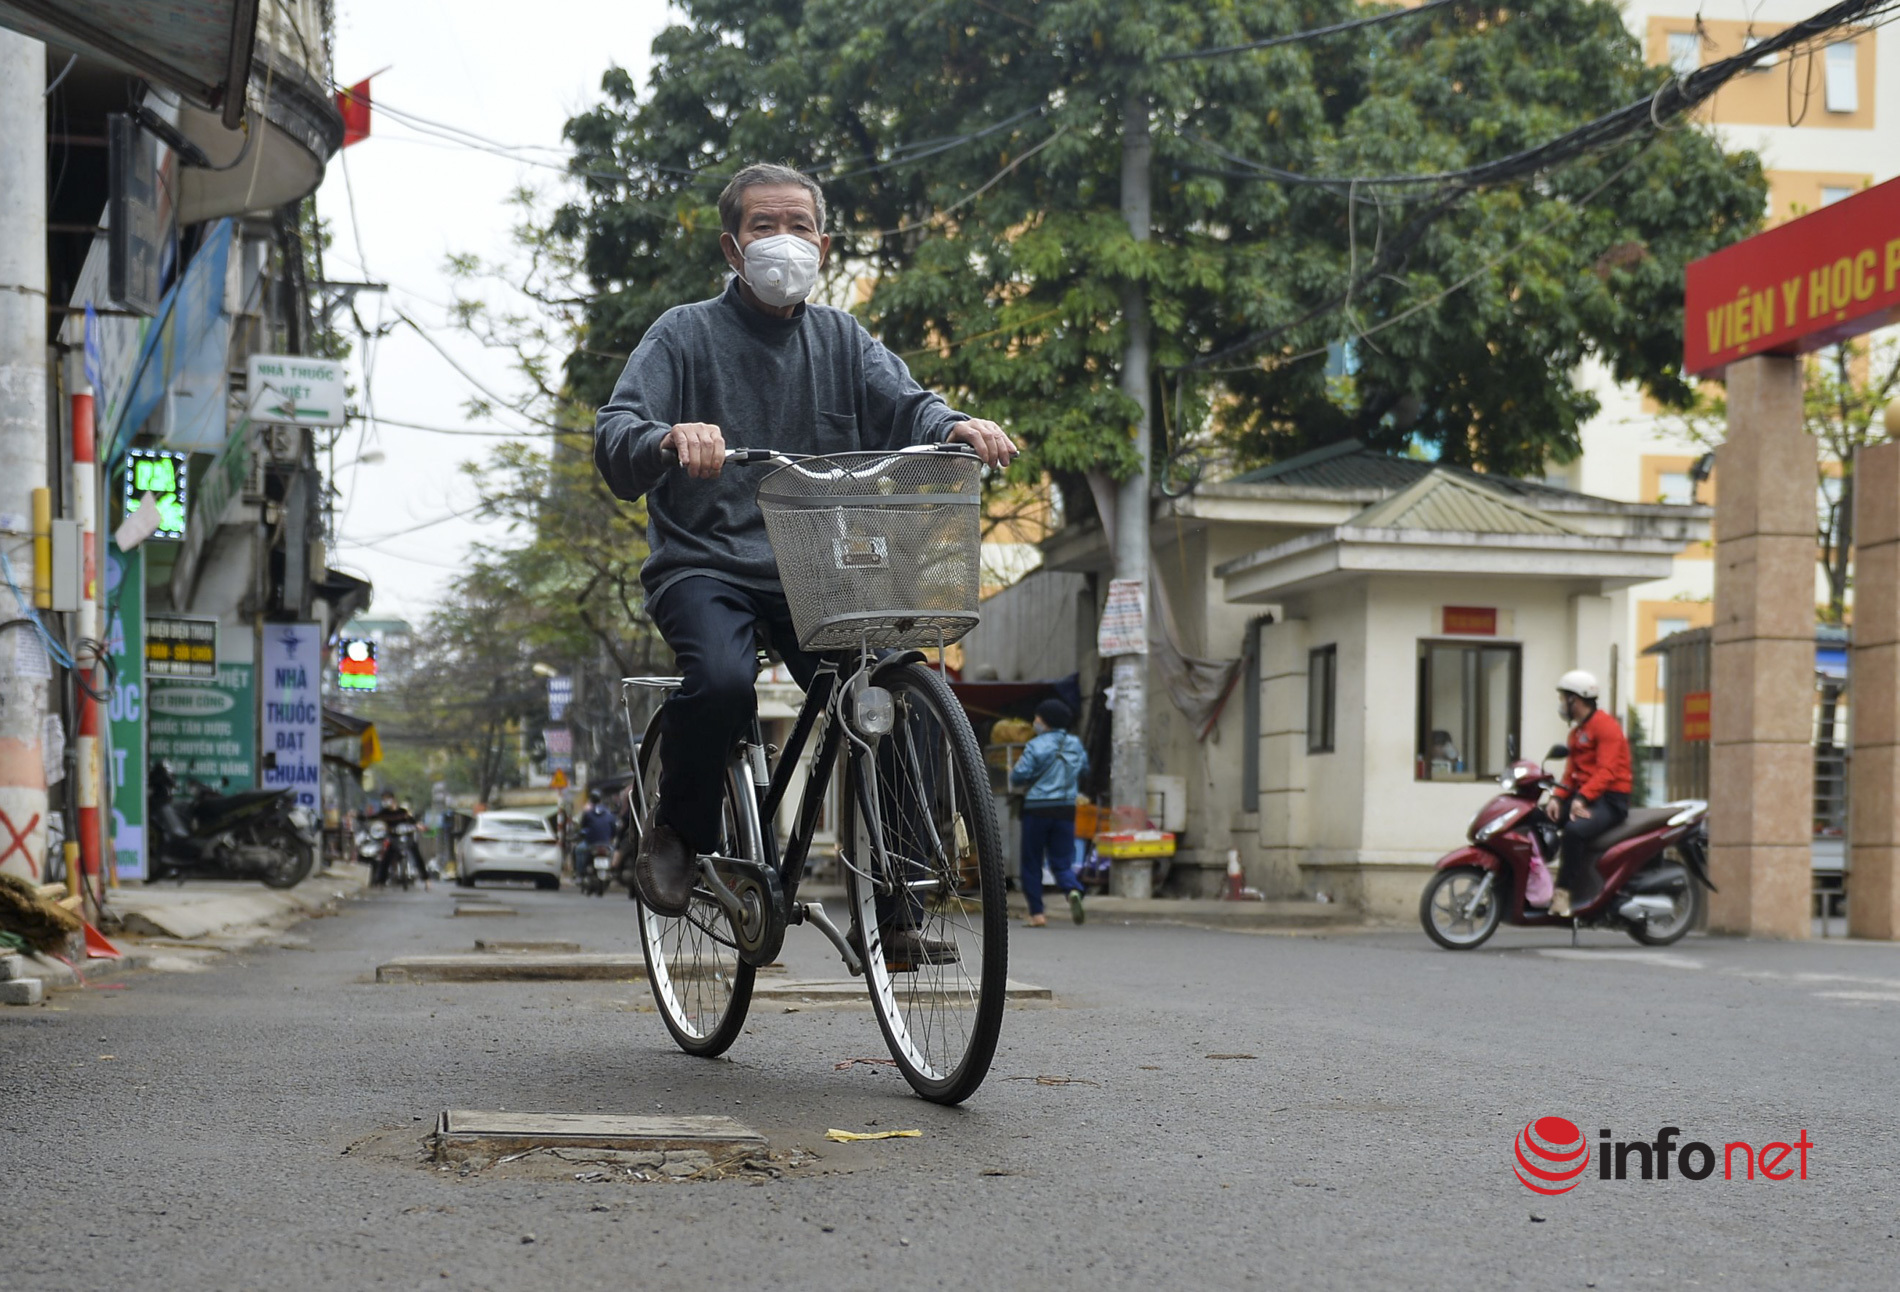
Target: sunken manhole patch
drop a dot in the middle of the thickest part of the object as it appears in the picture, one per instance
(475, 909)
(484, 966)
(601, 1148)
(852, 990)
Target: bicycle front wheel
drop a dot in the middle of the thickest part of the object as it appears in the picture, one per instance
(702, 988)
(926, 885)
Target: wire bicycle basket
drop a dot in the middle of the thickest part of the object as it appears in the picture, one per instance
(881, 550)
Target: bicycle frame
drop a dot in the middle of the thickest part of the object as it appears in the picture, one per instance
(765, 789)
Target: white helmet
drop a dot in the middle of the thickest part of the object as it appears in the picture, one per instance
(1579, 682)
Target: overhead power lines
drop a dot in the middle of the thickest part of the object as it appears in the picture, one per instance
(716, 176)
(1444, 189)
(1674, 97)
(1311, 33)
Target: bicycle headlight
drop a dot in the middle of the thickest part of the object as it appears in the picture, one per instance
(872, 711)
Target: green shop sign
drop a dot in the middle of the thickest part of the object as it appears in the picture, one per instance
(206, 730)
(125, 635)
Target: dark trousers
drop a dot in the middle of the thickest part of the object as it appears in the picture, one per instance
(714, 628)
(1606, 814)
(1048, 834)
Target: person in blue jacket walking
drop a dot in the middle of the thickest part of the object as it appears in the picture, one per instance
(1052, 765)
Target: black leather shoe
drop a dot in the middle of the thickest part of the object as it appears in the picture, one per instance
(664, 872)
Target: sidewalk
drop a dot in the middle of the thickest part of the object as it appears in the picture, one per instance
(169, 927)
(230, 914)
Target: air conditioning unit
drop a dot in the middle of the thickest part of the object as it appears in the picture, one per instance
(284, 444)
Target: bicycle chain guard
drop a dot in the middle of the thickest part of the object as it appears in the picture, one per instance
(754, 900)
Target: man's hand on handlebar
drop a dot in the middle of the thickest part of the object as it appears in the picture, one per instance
(700, 448)
(990, 441)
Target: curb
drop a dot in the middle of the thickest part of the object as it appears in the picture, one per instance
(1266, 917)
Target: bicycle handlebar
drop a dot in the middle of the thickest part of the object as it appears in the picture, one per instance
(748, 457)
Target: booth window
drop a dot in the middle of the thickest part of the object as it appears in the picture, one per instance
(1468, 710)
(1322, 683)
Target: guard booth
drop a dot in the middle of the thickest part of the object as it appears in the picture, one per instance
(1685, 679)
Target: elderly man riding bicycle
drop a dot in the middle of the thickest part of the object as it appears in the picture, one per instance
(760, 364)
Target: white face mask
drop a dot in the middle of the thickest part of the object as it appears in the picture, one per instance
(782, 269)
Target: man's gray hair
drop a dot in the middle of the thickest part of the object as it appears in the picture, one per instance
(732, 200)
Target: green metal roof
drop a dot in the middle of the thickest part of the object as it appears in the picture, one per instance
(1351, 465)
(1449, 502)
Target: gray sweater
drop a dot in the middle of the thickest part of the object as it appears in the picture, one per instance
(814, 383)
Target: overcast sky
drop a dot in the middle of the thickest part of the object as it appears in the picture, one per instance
(497, 70)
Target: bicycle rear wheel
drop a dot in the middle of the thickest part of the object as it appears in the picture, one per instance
(702, 988)
(935, 882)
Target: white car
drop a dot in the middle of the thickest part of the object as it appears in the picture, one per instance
(518, 845)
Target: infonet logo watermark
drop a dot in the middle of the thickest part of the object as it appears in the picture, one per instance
(1553, 1157)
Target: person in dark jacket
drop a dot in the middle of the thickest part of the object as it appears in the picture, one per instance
(1594, 797)
(597, 825)
(760, 365)
(1052, 765)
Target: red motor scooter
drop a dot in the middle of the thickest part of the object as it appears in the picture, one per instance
(1653, 868)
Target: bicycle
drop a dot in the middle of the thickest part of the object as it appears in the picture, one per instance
(878, 554)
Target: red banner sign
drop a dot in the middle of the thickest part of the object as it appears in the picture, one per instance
(1471, 621)
(1695, 715)
(1832, 274)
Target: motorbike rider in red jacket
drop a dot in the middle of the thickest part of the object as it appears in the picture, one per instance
(1594, 797)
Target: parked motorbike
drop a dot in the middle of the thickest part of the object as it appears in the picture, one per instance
(255, 834)
(369, 843)
(1653, 868)
(596, 869)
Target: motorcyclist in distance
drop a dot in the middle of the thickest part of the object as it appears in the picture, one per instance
(391, 812)
(597, 825)
(1594, 797)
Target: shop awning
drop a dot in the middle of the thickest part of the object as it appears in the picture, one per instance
(350, 739)
(200, 48)
(348, 595)
(997, 699)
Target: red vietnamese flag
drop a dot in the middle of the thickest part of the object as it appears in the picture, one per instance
(353, 103)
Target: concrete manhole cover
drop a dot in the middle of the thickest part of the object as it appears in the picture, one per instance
(597, 1148)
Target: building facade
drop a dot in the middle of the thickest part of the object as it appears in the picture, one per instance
(1347, 645)
(1825, 126)
(157, 167)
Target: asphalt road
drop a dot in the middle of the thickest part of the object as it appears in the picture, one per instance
(260, 1123)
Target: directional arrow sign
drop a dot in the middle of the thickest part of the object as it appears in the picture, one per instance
(293, 390)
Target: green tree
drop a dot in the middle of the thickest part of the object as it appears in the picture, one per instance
(971, 153)
(562, 590)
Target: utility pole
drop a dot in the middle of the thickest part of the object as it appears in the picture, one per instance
(1128, 775)
(23, 441)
